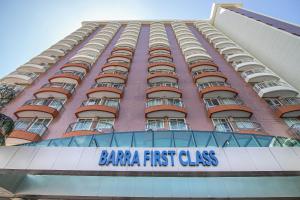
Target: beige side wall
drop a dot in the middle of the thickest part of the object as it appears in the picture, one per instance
(277, 49)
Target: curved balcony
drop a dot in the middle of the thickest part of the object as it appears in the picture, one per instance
(106, 89)
(94, 45)
(95, 127)
(54, 52)
(259, 75)
(113, 76)
(171, 108)
(82, 66)
(240, 67)
(17, 77)
(160, 51)
(44, 59)
(240, 126)
(224, 44)
(227, 107)
(206, 75)
(67, 76)
(191, 44)
(26, 134)
(193, 50)
(158, 43)
(213, 34)
(161, 66)
(163, 90)
(275, 89)
(231, 50)
(286, 107)
(35, 68)
(40, 108)
(160, 58)
(89, 58)
(123, 51)
(162, 76)
(62, 46)
(124, 67)
(92, 108)
(203, 65)
(216, 89)
(217, 39)
(194, 58)
(100, 40)
(75, 36)
(126, 44)
(55, 90)
(240, 57)
(69, 41)
(119, 58)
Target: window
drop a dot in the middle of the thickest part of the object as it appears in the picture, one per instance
(83, 124)
(56, 104)
(39, 126)
(273, 102)
(177, 124)
(155, 124)
(244, 123)
(104, 124)
(222, 124)
(22, 124)
(291, 121)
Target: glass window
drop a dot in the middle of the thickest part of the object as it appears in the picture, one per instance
(291, 121)
(83, 124)
(22, 124)
(177, 124)
(155, 124)
(39, 126)
(104, 124)
(222, 124)
(56, 104)
(244, 123)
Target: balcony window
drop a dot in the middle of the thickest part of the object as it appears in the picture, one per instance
(155, 124)
(82, 124)
(76, 73)
(156, 102)
(67, 86)
(162, 71)
(105, 102)
(53, 103)
(203, 71)
(109, 84)
(164, 84)
(211, 84)
(111, 71)
(277, 102)
(222, 101)
(235, 124)
(177, 124)
(89, 124)
(37, 126)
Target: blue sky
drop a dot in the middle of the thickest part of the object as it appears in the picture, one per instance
(30, 26)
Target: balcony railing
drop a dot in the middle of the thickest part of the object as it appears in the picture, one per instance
(31, 75)
(255, 71)
(203, 71)
(222, 101)
(295, 129)
(267, 84)
(119, 72)
(36, 128)
(95, 126)
(238, 125)
(67, 86)
(164, 84)
(202, 86)
(285, 102)
(157, 102)
(72, 72)
(53, 103)
(162, 71)
(161, 127)
(104, 102)
(119, 86)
